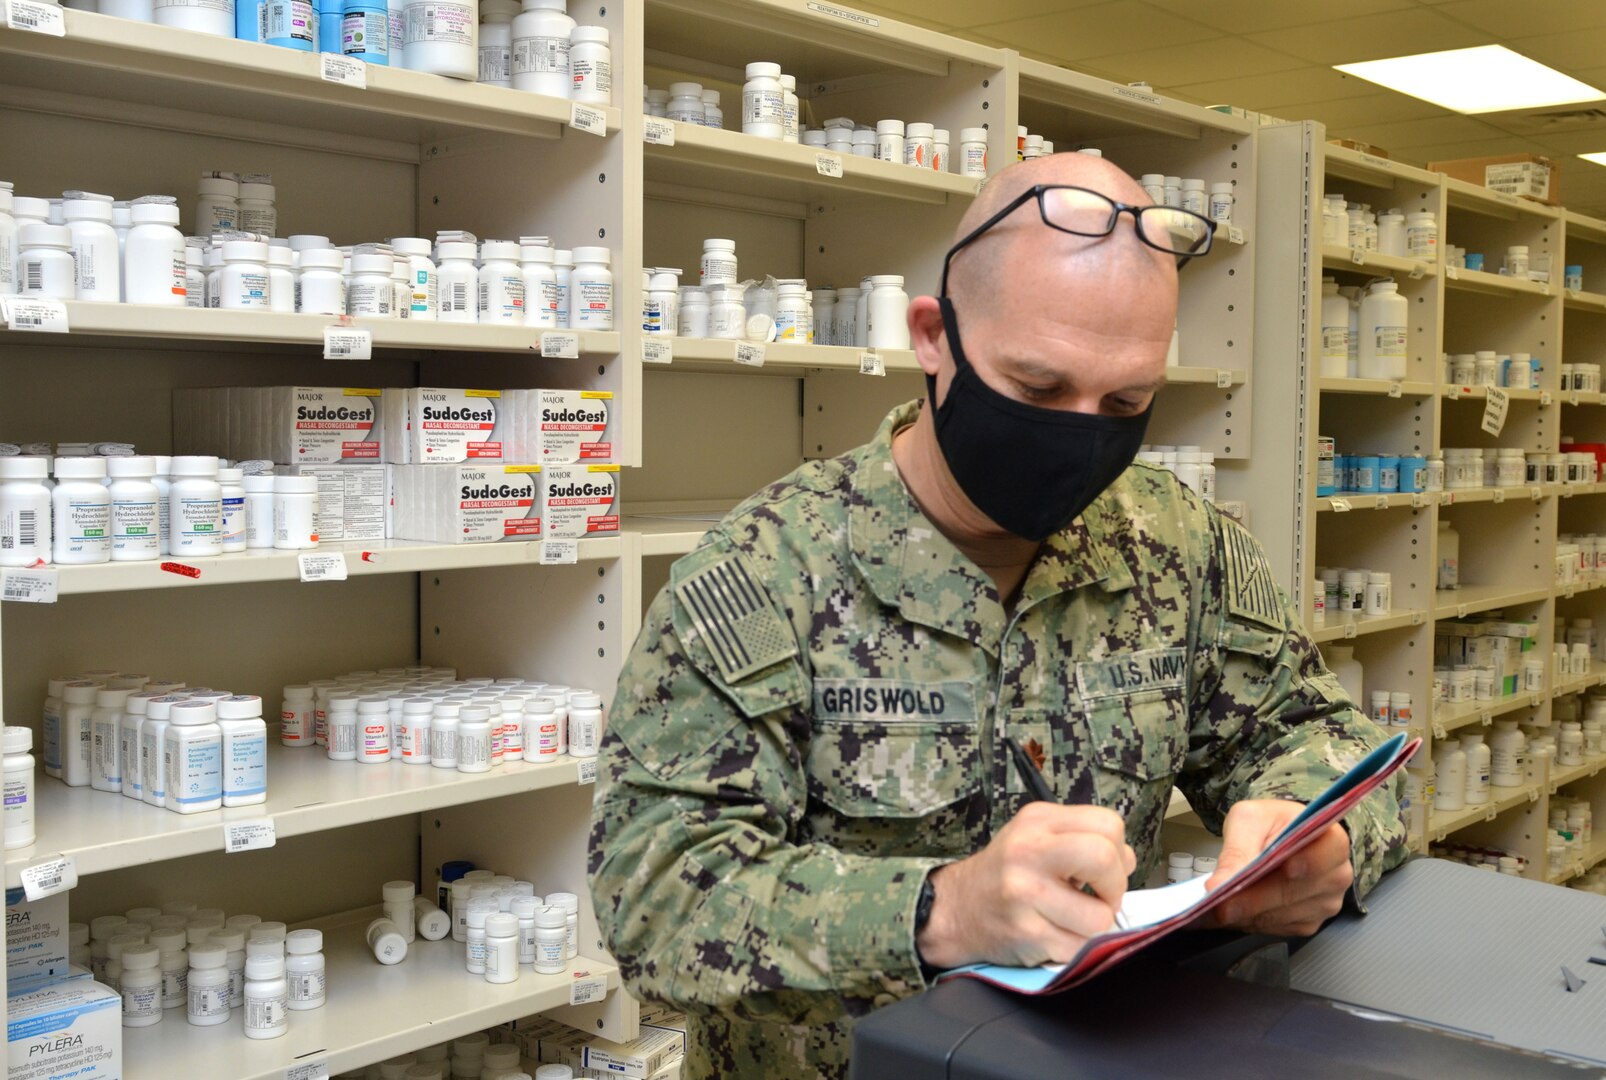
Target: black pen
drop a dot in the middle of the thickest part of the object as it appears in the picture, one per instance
(1030, 775)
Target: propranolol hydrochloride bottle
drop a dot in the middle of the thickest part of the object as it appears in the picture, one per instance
(134, 498)
(82, 519)
(154, 266)
(540, 57)
(195, 507)
(96, 253)
(496, 41)
(438, 36)
(501, 283)
(192, 758)
(591, 290)
(106, 740)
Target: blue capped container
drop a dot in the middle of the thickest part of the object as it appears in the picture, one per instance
(365, 31)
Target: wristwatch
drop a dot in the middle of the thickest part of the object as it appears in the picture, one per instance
(928, 897)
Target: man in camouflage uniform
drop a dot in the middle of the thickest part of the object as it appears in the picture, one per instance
(806, 803)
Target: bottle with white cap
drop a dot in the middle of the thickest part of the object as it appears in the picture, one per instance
(267, 997)
(195, 507)
(540, 53)
(82, 526)
(25, 513)
(96, 253)
(713, 115)
(134, 498)
(155, 268)
(243, 283)
(19, 792)
(304, 970)
(8, 241)
(790, 128)
(245, 750)
(192, 757)
(591, 290)
(917, 145)
(764, 102)
(501, 283)
(369, 292)
(45, 266)
(398, 898)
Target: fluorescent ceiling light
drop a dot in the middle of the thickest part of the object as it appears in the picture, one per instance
(1599, 157)
(1489, 78)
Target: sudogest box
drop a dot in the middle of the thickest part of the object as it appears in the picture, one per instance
(288, 425)
(439, 425)
(466, 503)
(579, 501)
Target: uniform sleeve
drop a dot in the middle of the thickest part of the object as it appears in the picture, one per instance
(1268, 720)
(704, 892)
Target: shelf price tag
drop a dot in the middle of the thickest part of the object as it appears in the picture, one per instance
(1494, 409)
(344, 70)
(560, 552)
(1357, 256)
(321, 565)
(1418, 500)
(1454, 392)
(585, 118)
(1498, 495)
(1235, 235)
(1338, 505)
(249, 835)
(750, 353)
(1446, 498)
(36, 18)
(587, 988)
(1544, 398)
(310, 1070)
(347, 342)
(1439, 732)
(1419, 271)
(1452, 273)
(560, 345)
(1573, 398)
(30, 586)
(828, 165)
(1396, 390)
(31, 315)
(1349, 630)
(658, 131)
(1486, 718)
(586, 771)
(1223, 378)
(49, 878)
(1536, 493)
(657, 350)
(1382, 503)
(870, 364)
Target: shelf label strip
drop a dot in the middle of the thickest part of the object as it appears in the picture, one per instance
(30, 314)
(30, 586)
(828, 165)
(587, 988)
(343, 70)
(586, 771)
(560, 552)
(49, 878)
(560, 345)
(249, 835)
(657, 131)
(585, 118)
(347, 343)
(870, 364)
(750, 353)
(36, 18)
(1495, 405)
(322, 565)
(309, 1070)
(657, 350)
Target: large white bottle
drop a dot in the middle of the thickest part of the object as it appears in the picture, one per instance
(1335, 332)
(540, 59)
(1506, 755)
(1450, 785)
(1342, 663)
(1477, 769)
(1385, 316)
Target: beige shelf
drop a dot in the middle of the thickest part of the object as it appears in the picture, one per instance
(1442, 824)
(1577, 685)
(1480, 200)
(1374, 171)
(1344, 629)
(1528, 492)
(104, 62)
(1487, 284)
(1561, 777)
(668, 534)
(1382, 387)
(1106, 108)
(1471, 599)
(1335, 257)
(1578, 300)
(1457, 392)
(357, 1025)
(307, 793)
(1450, 718)
(1350, 501)
(209, 327)
(719, 355)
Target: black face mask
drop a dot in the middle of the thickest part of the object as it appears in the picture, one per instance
(1031, 470)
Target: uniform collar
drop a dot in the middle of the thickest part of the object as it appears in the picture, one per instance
(912, 566)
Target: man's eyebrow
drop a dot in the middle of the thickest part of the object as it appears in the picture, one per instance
(1035, 370)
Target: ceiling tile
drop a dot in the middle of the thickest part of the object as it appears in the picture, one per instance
(1433, 129)
(1307, 84)
(1099, 30)
(1246, 16)
(1399, 33)
(1175, 65)
(1572, 51)
(1355, 112)
(967, 13)
(1504, 19)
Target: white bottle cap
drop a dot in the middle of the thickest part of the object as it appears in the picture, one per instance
(918, 131)
(686, 89)
(208, 954)
(499, 249)
(591, 255)
(295, 485)
(80, 468)
(111, 699)
(35, 235)
(370, 263)
(135, 466)
(141, 957)
(395, 892)
(303, 942)
(889, 127)
(18, 740)
(550, 916)
(190, 711)
(762, 70)
(27, 468)
(710, 97)
(597, 35)
(264, 192)
(263, 968)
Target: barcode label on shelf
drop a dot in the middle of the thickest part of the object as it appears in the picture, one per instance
(37, 18)
(1235, 235)
(1453, 273)
(586, 771)
(1498, 495)
(750, 353)
(560, 345)
(1419, 271)
(844, 14)
(586, 988)
(344, 70)
(35, 316)
(1494, 409)
(1357, 256)
(1338, 505)
(1223, 378)
(29, 586)
(347, 343)
(321, 565)
(311, 1070)
(49, 878)
(828, 165)
(560, 552)
(656, 350)
(249, 835)
(585, 118)
(658, 131)
(1396, 390)
(870, 364)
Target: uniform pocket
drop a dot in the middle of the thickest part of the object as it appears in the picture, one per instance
(1143, 736)
(901, 769)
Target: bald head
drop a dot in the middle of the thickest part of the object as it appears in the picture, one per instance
(1021, 245)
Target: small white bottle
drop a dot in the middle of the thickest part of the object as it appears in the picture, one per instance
(373, 730)
(763, 102)
(789, 109)
(281, 278)
(719, 262)
(496, 42)
(501, 283)
(295, 513)
(563, 270)
(192, 757)
(231, 486)
(45, 266)
(243, 283)
(1478, 762)
(412, 736)
(257, 212)
(245, 750)
(1379, 593)
(195, 507)
(258, 510)
(25, 511)
(569, 904)
(473, 739)
(459, 283)
(479, 909)
(155, 270)
(175, 966)
(296, 716)
(888, 311)
(152, 739)
(423, 278)
(135, 524)
(217, 205)
(1221, 202)
(267, 998)
(398, 900)
(19, 794)
(438, 38)
(940, 156)
(82, 519)
(369, 292)
(591, 66)
(430, 922)
(585, 724)
(889, 141)
(96, 253)
(540, 285)
(551, 936)
(443, 729)
(540, 59)
(1450, 785)
(713, 115)
(320, 288)
(106, 740)
(133, 719)
(341, 728)
(305, 970)
(591, 290)
(141, 985)
(8, 240)
(917, 145)
(501, 948)
(210, 991)
(524, 908)
(78, 708)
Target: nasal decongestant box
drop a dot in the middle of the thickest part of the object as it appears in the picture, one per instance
(353, 500)
(578, 501)
(564, 427)
(467, 503)
(439, 425)
(288, 425)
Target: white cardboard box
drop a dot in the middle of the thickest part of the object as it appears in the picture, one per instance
(36, 938)
(578, 501)
(65, 1029)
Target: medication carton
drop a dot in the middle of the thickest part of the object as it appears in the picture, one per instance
(288, 425)
(1527, 175)
(466, 504)
(578, 501)
(437, 425)
(72, 1028)
(566, 427)
(36, 938)
(353, 500)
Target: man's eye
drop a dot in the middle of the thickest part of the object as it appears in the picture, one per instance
(1035, 393)
(1123, 405)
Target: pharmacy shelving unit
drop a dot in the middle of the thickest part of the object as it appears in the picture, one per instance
(1509, 535)
(134, 109)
